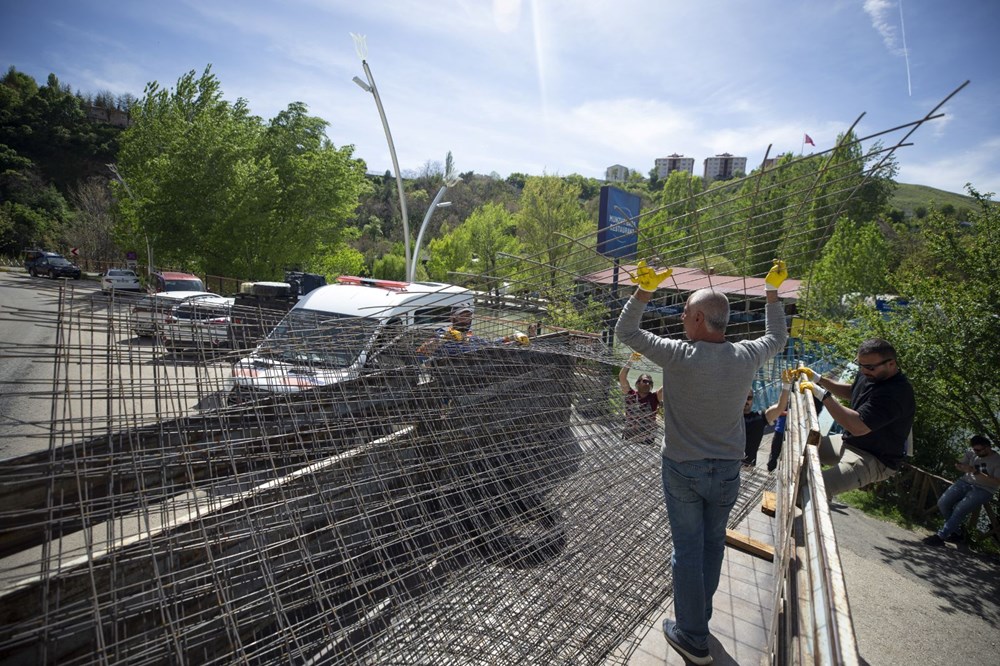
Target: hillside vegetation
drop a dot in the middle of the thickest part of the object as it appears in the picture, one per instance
(911, 198)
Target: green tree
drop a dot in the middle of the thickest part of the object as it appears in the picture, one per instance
(341, 260)
(590, 317)
(773, 198)
(854, 261)
(666, 231)
(655, 182)
(449, 254)
(47, 147)
(851, 183)
(92, 226)
(491, 235)
(216, 189)
(948, 336)
(550, 212)
(390, 267)
(517, 180)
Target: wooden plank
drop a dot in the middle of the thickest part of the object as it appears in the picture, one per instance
(746, 544)
(769, 503)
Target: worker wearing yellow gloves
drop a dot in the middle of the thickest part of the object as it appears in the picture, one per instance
(704, 440)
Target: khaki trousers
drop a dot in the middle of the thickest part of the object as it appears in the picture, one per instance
(851, 467)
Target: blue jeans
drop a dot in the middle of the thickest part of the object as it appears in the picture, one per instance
(958, 502)
(699, 495)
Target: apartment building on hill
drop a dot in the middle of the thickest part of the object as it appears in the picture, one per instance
(666, 165)
(724, 167)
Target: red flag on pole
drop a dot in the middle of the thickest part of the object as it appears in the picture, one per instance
(809, 140)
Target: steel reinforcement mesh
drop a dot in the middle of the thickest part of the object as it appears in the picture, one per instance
(461, 502)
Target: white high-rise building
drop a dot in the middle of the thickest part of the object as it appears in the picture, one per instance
(616, 173)
(724, 167)
(665, 165)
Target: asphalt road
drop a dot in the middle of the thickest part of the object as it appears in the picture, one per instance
(105, 379)
(917, 604)
(23, 302)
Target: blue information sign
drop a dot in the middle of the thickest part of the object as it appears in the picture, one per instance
(618, 224)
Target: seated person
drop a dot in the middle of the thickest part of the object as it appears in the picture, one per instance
(973, 489)
(877, 423)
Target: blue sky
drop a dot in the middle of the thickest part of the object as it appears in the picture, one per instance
(560, 86)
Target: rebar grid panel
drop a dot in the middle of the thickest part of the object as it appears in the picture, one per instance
(360, 522)
(468, 502)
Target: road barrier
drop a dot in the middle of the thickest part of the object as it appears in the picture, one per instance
(811, 622)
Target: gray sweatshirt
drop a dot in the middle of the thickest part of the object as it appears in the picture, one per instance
(705, 384)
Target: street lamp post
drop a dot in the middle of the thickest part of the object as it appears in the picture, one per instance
(359, 45)
(149, 272)
(437, 203)
(128, 190)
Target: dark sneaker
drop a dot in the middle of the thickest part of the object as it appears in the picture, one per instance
(934, 540)
(685, 649)
(954, 538)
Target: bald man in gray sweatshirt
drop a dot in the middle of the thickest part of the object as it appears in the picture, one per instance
(704, 439)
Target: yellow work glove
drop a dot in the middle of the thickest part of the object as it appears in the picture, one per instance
(648, 279)
(817, 391)
(521, 339)
(808, 374)
(635, 357)
(775, 276)
(787, 378)
(454, 334)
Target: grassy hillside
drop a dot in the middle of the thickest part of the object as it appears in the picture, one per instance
(909, 197)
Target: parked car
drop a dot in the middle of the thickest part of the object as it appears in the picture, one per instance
(173, 281)
(337, 332)
(199, 324)
(149, 314)
(54, 267)
(31, 256)
(120, 279)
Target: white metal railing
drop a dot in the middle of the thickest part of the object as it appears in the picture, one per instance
(811, 622)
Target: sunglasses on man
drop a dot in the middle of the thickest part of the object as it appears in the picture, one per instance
(873, 366)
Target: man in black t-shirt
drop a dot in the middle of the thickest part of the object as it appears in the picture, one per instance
(755, 422)
(877, 424)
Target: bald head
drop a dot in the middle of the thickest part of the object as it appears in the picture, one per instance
(715, 307)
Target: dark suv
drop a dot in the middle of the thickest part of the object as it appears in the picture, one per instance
(53, 265)
(31, 256)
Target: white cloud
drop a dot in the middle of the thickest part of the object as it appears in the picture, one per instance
(880, 12)
(979, 166)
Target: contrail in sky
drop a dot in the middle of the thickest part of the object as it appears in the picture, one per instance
(906, 52)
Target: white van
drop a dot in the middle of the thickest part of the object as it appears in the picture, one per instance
(334, 333)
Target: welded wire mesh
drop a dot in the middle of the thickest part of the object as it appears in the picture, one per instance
(349, 493)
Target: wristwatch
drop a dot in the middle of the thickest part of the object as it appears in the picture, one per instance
(826, 394)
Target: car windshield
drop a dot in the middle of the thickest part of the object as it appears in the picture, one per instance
(193, 284)
(59, 261)
(324, 339)
(125, 274)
